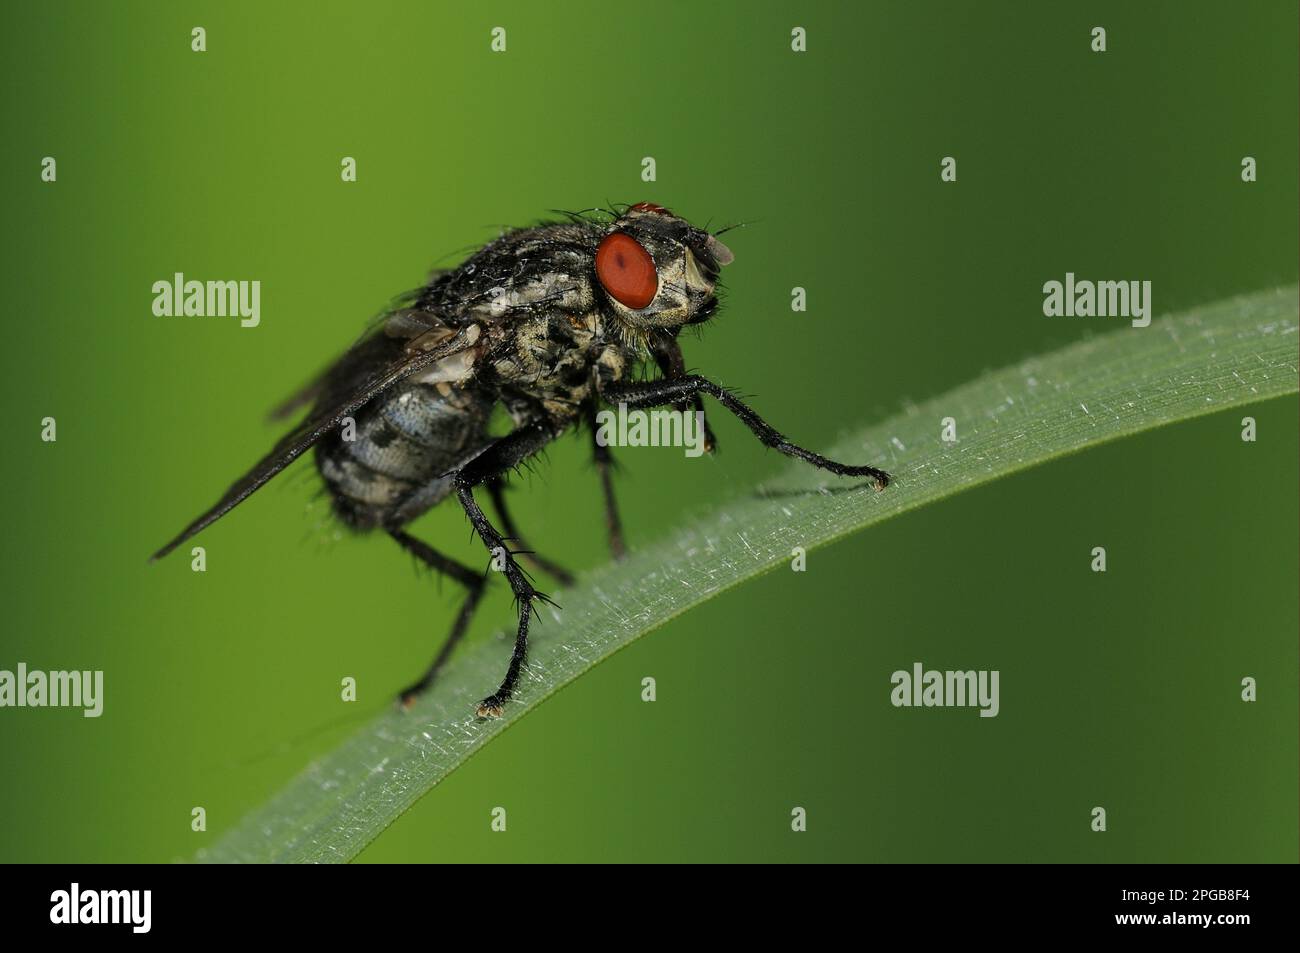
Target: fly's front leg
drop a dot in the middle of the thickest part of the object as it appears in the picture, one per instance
(500, 457)
(668, 355)
(656, 393)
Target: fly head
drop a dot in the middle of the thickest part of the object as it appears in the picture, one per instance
(657, 270)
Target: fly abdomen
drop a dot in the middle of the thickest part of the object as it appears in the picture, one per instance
(402, 443)
(431, 417)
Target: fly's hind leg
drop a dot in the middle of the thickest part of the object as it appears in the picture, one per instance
(497, 490)
(502, 456)
(473, 583)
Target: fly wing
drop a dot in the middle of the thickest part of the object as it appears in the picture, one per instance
(307, 394)
(400, 320)
(420, 352)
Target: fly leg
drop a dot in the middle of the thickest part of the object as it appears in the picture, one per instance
(640, 394)
(668, 355)
(473, 583)
(497, 489)
(605, 468)
(504, 455)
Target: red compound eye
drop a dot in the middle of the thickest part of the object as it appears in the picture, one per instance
(649, 207)
(626, 270)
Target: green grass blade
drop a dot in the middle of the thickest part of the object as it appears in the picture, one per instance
(1223, 355)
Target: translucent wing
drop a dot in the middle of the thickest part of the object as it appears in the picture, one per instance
(399, 320)
(349, 385)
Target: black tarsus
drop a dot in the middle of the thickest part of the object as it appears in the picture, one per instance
(640, 394)
(473, 583)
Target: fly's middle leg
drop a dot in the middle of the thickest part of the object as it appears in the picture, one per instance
(473, 583)
(497, 490)
(604, 460)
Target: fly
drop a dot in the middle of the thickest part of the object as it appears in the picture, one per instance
(548, 322)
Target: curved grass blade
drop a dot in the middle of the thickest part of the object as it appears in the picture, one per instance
(1222, 355)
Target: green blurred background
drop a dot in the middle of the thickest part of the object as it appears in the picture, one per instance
(1119, 690)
